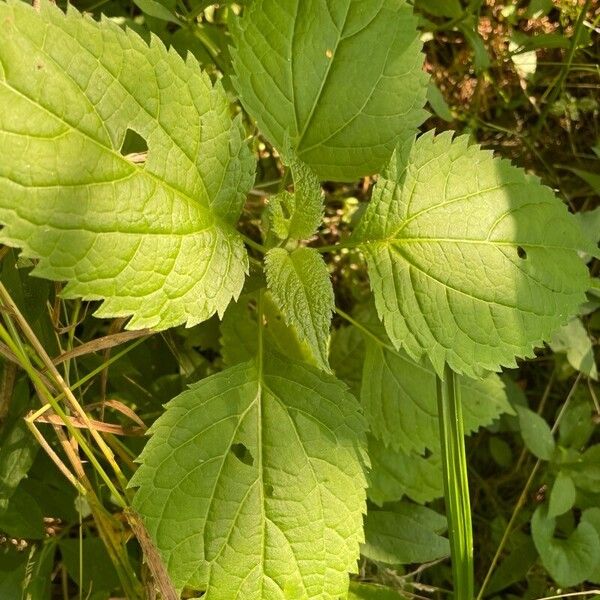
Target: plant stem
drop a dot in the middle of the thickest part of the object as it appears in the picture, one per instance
(456, 484)
(255, 245)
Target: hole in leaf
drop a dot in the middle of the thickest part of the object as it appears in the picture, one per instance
(134, 147)
(521, 252)
(243, 454)
(269, 490)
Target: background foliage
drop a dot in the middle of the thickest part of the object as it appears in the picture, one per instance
(520, 78)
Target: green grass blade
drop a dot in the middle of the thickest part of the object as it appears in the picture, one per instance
(456, 484)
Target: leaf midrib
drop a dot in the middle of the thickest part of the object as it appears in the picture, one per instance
(323, 82)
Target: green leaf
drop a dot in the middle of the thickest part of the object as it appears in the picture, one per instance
(300, 284)
(569, 561)
(438, 102)
(590, 224)
(539, 8)
(155, 240)
(592, 516)
(440, 8)
(17, 453)
(404, 533)
(562, 495)
(527, 43)
(536, 433)
(239, 332)
(501, 452)
(29, 294)
(472, 262)
(394, 475)
(158, 10)
(399, 399)
(346, 356)
(592, 179)
(23, 517)
(469, 29)
(26, 574)
(253, 483)
(98, 572)
(371, 591)
(573, 339)
(586, 471)
(298, 215)
(514, 567)
(577, 423)
(342, 79)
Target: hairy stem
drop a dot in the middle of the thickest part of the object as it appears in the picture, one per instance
(456, 484)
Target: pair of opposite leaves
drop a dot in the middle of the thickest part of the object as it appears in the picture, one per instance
(471, 261)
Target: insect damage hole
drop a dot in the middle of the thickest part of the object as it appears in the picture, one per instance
(134, 147)
(521, 252)
(243, 454)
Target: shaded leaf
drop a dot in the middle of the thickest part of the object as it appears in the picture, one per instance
(17, 453)
(569, 561)
(592, 516)
(472, 262)
(438, 102)
(371, 591)
(303, 73)
(469, 29)
(573, 339)
(440, 8)
(98, 572)
(562, 495)
(586, 471)
(536, 433)
(394, 475)
(300, 285)
(577, 424)
(158, 10)
(400, 402)
(23, 517)
(514, 567)
(404, 533)
(239, 332)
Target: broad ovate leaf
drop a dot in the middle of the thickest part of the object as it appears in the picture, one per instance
(399, 395)
(300, 284)
(395, 474)
(341, 79)
(154, 239)
(571, 559)
(404, 533)
(252, 483)
(472, 261)
(399, 398)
